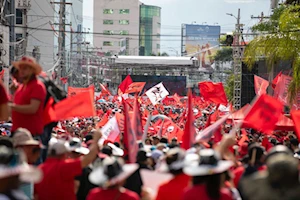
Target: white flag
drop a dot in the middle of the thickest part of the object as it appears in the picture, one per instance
(110, 130)
(157, 93)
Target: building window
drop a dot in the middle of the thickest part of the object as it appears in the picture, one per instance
(108, 32)
(158, 46)
(124, 11)
(124, 32)
(110, 22)
(124, 22)
(158, 24)
(19, 36)
(108, 11)
(158, 35)
(19, 16)
(108, 43)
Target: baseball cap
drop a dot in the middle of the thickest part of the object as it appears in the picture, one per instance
(23, 137)
(57, 147)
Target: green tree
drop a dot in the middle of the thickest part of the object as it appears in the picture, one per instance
(229, 87)
(279, 41)
(223, 55)
(159, 54)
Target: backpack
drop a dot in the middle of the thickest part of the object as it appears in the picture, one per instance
(53, 90)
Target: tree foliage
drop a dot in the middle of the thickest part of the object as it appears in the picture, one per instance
(223, 54)
(229, 87)
(279, 41)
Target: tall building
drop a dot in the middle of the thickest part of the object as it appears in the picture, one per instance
(42, 22)
(114, 21)
(149, 30)
(126, 27)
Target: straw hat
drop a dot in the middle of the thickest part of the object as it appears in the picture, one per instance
(23, 137)
(111, 172)
(207, 162)
(28, 61)
(13, 163)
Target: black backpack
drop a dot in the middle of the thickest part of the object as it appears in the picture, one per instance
(53, 90)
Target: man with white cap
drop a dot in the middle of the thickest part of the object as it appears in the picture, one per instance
(58, 182)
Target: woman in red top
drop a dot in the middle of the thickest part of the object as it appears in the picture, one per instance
(207, 171)
(174, 188)
(3, 103)
(111, 176)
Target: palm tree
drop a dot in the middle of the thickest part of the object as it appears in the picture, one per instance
(279, 41)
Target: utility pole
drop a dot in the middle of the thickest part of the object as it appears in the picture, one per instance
(237, 64)
(62, 38)
(261, 17)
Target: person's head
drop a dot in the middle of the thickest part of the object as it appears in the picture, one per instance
(111, 173)
(23, 139)
(155, 140)
(294, 144)
(283, 171)
(206, 168)
(142, 157)
(148, 141)
(76, 148)
(57, 148)
(256, 153)
(175, 160)
(164, 140)
(27, 68)
(161, 146)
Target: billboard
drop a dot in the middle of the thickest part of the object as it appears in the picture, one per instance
(201, 41)
(174, 84)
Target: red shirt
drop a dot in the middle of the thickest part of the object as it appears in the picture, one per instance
(35, 89)
(58, 180)
(174, 188)
(111, 194)
(199, 192)
(3, 95)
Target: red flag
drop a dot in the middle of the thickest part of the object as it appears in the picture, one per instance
(260, 85)
(73, 91)
(264, 113)
(281, 90)
(49, 112)
(129, 138)
(104, 90)
(189, 134)
(103, 121)
(125, 83)
(135, 87)
(296, 118)
(275, 80)
(207, 133)
(218, 135)
(79, 105)
(137, 120)
(244, 137)
(213, 92)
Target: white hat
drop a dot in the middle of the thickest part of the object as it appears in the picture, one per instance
(58, 146)
(116, 151)
(207, 162)
(75, 145)
(111, 171)
(23, 137)
(13, 163)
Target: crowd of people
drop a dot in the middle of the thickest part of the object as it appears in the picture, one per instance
(65, 160)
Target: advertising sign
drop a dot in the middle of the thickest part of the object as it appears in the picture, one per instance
(201, 41)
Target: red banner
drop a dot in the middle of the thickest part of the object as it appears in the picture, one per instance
(79, 105)
(129, 138)
(189, 134)
(260, 85)
(73, 91)
(135, 87)
(264, 114)
(213, 92)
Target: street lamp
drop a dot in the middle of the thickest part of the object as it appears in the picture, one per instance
(193, 22)
(230, 14)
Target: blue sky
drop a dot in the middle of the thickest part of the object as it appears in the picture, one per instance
(176, 12)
